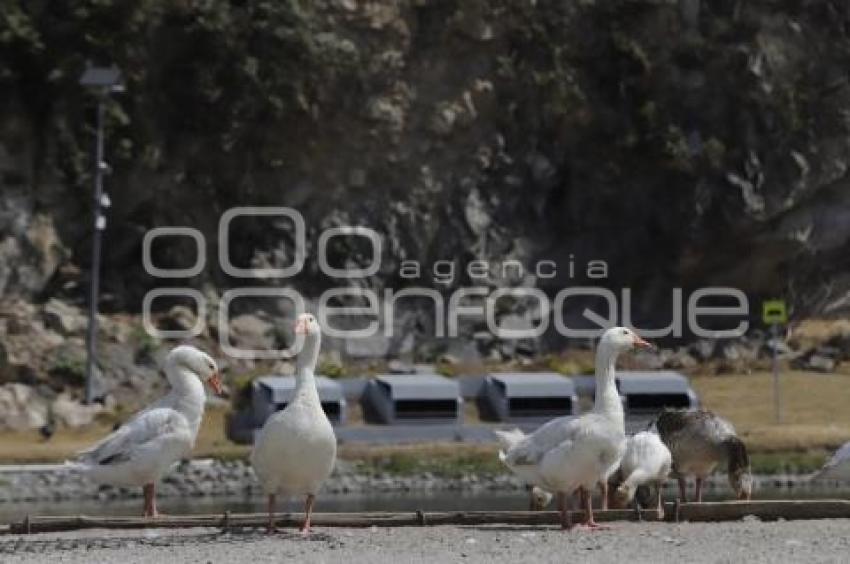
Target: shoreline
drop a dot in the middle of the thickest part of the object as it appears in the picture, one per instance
(212, 478)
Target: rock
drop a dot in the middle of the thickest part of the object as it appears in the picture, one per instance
(250, 332)
(21, 408)
(384, 110)
(739, 351)
(820, 363)
(64, 318)
(30, 248)
(348, 5)
(821, 359)
(477, 216)
(179, 318)
(652, 360)
(680, 359)
(71, 413)
(778, 345)
(444, 118)
(703, 349)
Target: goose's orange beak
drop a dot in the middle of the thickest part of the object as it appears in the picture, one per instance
(641, 344)
(215, 384)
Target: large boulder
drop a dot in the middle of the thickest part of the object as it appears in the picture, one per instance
(21, 408)
(70, 413)
(251, 332)
(30, 249)
(64, 318)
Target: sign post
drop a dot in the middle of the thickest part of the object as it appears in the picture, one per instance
(775, 313)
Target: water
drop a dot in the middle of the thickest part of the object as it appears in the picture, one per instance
(438, 501)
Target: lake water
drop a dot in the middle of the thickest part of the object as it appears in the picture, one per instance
(439, 501)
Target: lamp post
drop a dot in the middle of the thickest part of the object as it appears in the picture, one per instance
(102, 81)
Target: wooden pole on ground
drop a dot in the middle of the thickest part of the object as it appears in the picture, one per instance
(697, 512)
(43, 524)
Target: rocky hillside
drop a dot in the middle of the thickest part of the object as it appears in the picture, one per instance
(686, 143)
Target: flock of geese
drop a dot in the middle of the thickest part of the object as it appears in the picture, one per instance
(295, 451)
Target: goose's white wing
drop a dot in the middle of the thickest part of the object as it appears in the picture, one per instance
(531, 449)
(140, 450)
(568, 452)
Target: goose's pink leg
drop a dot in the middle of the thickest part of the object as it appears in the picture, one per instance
(603, 491)
(566, 523)
(308, 510)
(588, 511)
(149, 491)
(271, 528)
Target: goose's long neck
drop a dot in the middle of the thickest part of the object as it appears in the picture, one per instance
(305, 367)
(187, 395)
(607, 399)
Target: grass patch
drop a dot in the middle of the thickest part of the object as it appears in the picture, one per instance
(815, 414)
(444, 460)
(786, 462)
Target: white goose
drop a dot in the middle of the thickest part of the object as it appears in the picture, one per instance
(572, 453)
(647, 461)
(146, 446)
(295, 450)
(837, 468)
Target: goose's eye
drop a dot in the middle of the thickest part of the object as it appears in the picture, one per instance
(625, 331)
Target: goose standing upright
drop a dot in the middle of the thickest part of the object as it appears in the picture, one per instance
(295, 450)
(140, 451)
(570, 453)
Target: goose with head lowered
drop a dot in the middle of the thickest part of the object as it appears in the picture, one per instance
(699, 441)
(575, 453)
(295, 450)
(140, 451)
(647, 462)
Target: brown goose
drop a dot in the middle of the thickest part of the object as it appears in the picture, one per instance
(699, 441)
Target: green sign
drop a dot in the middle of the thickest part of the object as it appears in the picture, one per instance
(774, 312)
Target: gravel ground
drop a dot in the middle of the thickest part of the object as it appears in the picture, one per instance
(749, 541)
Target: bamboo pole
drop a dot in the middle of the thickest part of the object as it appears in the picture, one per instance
(43, 524)
(696, 512)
